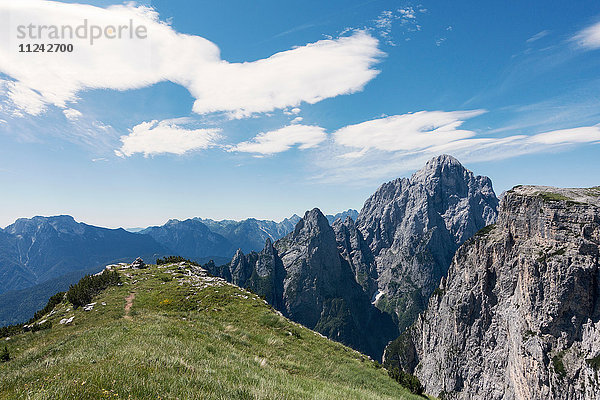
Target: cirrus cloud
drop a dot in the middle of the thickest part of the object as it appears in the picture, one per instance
(589, 38)
(384, 148)
(407, 132)
(309, 73)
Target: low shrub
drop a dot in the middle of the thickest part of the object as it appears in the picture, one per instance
(407, 380)
(559, 366)
(10, 330)
(52, 302)
(594, 362)
(175, 260)
(42, 326)
(4, 355)
(82, 293)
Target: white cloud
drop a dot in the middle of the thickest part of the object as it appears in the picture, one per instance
(280, 140)
(71, 114)
(151, 138)
(408, 132)
(407, 12)
(309, 73)
(589, 38)
(407, 17)
(387, 147)
(538, 36)
(297, 120)
(21, 98)
(588, 134)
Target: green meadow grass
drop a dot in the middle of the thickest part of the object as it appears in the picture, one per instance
(185, 342)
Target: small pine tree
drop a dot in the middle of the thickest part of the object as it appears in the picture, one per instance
(4, 355)
(407, 380)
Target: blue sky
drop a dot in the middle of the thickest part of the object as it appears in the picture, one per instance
(236, 109)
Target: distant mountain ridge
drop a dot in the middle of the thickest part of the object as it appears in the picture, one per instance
(42, 248)
(37, 254)
(352, 214)
(197, 237)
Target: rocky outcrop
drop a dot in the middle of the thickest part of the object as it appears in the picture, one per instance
(518, 316)
(304, 276)
(354, 250)
(413, 227)
(138, 264)
(262, 272)
(393, 256)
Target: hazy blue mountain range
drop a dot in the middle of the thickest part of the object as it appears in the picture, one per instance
(199, 238)
(190, 238)
(18, 305)
(43, 255)
(36, 250)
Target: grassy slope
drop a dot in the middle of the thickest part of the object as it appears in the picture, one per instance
(185, 342)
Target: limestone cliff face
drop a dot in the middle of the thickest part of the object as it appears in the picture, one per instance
(413, 227)
(518, 316)
(355, 251)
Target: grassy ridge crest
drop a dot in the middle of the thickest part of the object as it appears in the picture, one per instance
(188, 335)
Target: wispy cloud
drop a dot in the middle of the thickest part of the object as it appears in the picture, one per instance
(280, 140)
(588, 38)
(387, 147)
(154, 137)
(308, 73)
(407, 132)
(406, 17)
(71, 114)
(538, 36)
(20, 98)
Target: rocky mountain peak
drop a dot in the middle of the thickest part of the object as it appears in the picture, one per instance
(413, 227)
(59, 223)
(238, 255)
(445, 176)
(313, 223)
(439, 166)
(293, 218)
(358, 282)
